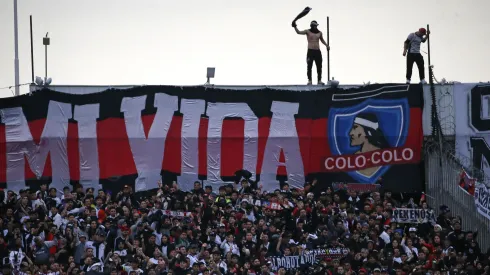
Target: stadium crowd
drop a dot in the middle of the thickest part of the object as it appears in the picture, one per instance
(238, 229)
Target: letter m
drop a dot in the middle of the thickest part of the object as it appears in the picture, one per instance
(20, 145)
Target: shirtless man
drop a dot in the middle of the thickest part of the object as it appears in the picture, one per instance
(314, 54)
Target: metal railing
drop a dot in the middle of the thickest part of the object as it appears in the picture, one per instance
(443, 171)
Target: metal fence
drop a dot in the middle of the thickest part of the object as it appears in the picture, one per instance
(442, 186)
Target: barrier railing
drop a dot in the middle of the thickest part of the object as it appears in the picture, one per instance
(442, 186)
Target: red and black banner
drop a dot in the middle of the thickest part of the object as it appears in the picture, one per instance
(136, 136)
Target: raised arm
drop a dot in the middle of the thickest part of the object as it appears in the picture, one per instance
(299, 32)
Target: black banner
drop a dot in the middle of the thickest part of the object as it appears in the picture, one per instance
(362, 135)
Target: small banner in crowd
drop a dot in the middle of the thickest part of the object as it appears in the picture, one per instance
(171, 213)
(356, 187)
(309, 258)
(266, 204)
(413, 215)
(482, 194)
(467, 183)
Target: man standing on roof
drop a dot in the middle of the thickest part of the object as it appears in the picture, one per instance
(412, 46)
(314, 36)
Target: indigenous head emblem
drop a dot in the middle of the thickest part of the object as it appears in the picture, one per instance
(367, 128)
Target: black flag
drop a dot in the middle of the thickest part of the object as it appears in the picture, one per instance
(301, 15)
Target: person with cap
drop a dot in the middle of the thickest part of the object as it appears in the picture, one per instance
(314, 36)
(80, 246)
(411, 50)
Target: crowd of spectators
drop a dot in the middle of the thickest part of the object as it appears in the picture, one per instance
(237, 229)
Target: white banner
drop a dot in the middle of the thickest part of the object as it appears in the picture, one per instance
(482, 194)
(472, 112)
(413, 215)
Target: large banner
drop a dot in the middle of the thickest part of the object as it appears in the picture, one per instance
(482, 203)
(472, 112)
(136, 136)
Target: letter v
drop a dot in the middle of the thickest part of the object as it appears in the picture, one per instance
(148, 152)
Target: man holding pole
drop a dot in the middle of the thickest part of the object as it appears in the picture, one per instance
(412, 46)
(314, 36)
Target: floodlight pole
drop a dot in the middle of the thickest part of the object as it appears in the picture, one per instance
(16, 48)
(32, 51)
(46, 42)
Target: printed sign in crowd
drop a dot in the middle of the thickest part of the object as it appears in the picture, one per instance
(307, 258)
(413, 215)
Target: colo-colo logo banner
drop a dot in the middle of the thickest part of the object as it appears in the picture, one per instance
(308, 258)
(472, 113)
(413, 215)
(139, 135)
(482, 194)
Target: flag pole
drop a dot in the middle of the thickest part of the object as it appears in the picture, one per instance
(16, 47)
(328, 51)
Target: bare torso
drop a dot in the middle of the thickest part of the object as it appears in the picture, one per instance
(313, 40)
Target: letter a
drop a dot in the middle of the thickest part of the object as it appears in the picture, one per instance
(282, 136)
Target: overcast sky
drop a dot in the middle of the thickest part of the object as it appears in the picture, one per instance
(171, 42)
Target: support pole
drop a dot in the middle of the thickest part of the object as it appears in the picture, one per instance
(16, 46)
(32, 52)
(46, 62)
(328, 52)
(428, 45)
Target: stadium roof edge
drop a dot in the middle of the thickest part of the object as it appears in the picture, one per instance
(89, 89)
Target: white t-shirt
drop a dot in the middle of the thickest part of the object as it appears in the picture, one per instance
(415, 41)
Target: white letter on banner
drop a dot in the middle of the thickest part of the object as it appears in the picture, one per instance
(20, 143)
(86, 116)
(148, 152)
(282, 135)
(192, 109)
(217, 112)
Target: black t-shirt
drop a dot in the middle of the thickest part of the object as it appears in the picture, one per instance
(63, 257)
(180, 271)
(150, 249)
